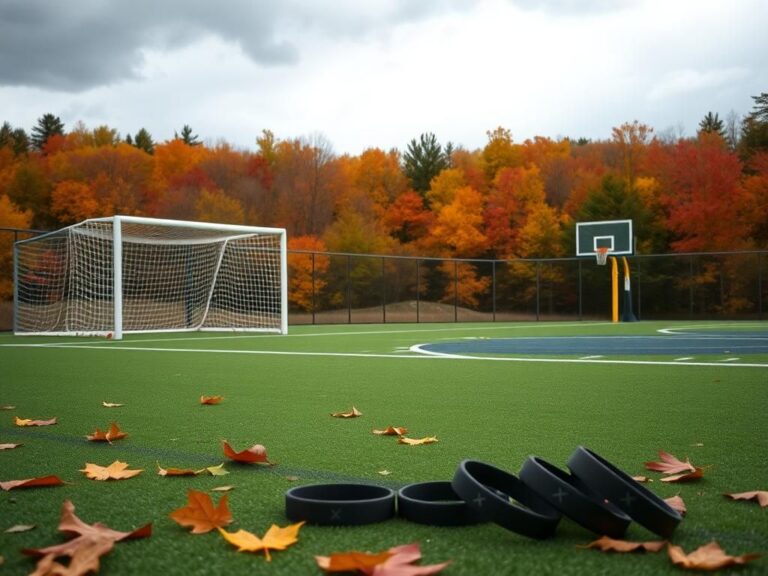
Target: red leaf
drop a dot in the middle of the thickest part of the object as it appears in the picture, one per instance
(670, 464)
(686, 477)
(397, 561)
(606, 544)
(761, 496)
(256, 454)
(32, 482)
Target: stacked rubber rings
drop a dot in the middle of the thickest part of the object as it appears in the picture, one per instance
(595, 494)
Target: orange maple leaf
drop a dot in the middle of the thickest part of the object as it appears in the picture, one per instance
(391, 431)
(115, 471)
(177, 471)
(200, 514)
(276, 538)
(670, 464)
(354, 413)
(9, 446)
(417, 441)
(676, 503)
(707, 557)
(29, 422)
(761, 496)
(606, 544)
(211, 399)
(256, 454)
(51, 480)
(351, 561)
(114, 433)
(397, 561)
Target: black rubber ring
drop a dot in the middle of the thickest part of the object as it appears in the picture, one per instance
(340, 504)
(617, 486)
(487, 489)
(575, 500)
(434, 503)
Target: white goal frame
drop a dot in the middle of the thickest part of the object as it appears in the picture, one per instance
(97, 284)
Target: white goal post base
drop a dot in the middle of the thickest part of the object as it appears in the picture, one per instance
(127, 274)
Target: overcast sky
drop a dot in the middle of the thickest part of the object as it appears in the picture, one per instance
(377, 73)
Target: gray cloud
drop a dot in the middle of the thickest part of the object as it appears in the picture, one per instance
(574, 7)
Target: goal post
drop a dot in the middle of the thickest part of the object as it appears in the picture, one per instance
(129, 274)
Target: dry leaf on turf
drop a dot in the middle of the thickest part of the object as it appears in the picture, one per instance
(391, 431)
(19, 528)
(256, 454)
(670, 464)
(708, 557)
(115, 471)
(642, 479)
(384, 472)
(676, 503)
(28, 422)
(200, 514)
(91, 542)
(9, 446)
(114, 433)
(760, 496)
(276, 538)
(111, 405)
(354, 413)
(210, 400)
(7, 407)
(177, 471)
(217, 470)
(51, 480)
(606, 544)
(223, 489)
(397, 561)
(685, 477)
(417, 441)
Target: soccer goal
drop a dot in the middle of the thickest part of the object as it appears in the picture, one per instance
(125, 274)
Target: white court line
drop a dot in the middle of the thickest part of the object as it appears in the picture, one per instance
(684, 359)
(591, 357)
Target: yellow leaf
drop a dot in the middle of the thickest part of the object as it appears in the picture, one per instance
(115, 471)
(354, 413)
(417, 441)
(111, 405)
(217, 470)
(276, 538)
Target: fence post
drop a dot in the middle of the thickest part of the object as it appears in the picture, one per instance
(418, 289)
(581, 311)
(760, 286)
(314, 301)
(690, 288)
(383, 293)
(493, 288)
(455, 290)
(349, 291)
(538, 289)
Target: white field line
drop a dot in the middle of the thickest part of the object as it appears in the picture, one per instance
(684, 359)
(676, 330)
(423, 355)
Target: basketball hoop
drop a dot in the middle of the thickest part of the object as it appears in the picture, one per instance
(601, 255)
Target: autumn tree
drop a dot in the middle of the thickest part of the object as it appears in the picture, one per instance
(143, 141)
(631, 141)
(754, 129)
(14, 139)
(307, 267)
(30, 190)
(423, 160)
(458, 226)
(443, 188)
(10, 217)
(500, 152)
(407, 219)
(47, 125)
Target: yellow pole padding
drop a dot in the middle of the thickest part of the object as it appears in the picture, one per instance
(614, 289)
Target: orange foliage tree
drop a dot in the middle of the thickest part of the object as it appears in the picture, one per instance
(306, 271)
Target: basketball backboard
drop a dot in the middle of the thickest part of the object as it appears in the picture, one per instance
(616, 235)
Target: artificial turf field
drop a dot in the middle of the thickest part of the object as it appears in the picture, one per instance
(280, 390)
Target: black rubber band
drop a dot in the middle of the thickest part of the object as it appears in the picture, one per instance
(641, 504)
(488, 489)
(434, 503)
(340, 504)
(569, 495)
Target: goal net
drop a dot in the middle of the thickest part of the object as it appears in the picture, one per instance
(107, 276)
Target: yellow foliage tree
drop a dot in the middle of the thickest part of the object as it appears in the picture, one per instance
(216, 206)
(458, 226)
(443, 188)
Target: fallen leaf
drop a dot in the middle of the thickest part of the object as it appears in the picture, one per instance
(7, 407)
(9, 446)
(200, 514)
(276, 538)
(177, 471)
(210, 400)
(354, 413)
(707, 557)
(676, 503)
(256, 454)
(111, 405)
(217, 470)
(417, 441)
(29, 422)
(391, 431)
(642, 479)
(761, 496)
(222, 489)
(606, 544)
(32, 482)
(397, 561)
(90, 543)
(685, 477)
(670, 464)
(698, 444)
(115, 471)
(292, 478)
(114, 433)
(384, 472)
(19, 528)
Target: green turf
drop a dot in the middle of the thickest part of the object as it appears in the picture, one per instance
(498, 412)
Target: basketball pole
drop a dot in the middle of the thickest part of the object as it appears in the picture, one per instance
(614, 289)
(627, 314)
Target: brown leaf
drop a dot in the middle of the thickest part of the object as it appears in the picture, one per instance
(19, 528)
(210, 400)
(177, 471)
(276, 538)
(760, 496)
(354, 413)
(115, 471)
(397, 561)
(642, 479)
(676, 503)
(686, 477)
(670, 464)
(256, 454)
(29, 422)
(391, 431)
(417, 441)
(606, 544)
(114, 433)
(707, 557)
(200, 514)
(111, 405)
(52, 480)
(9, 446)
